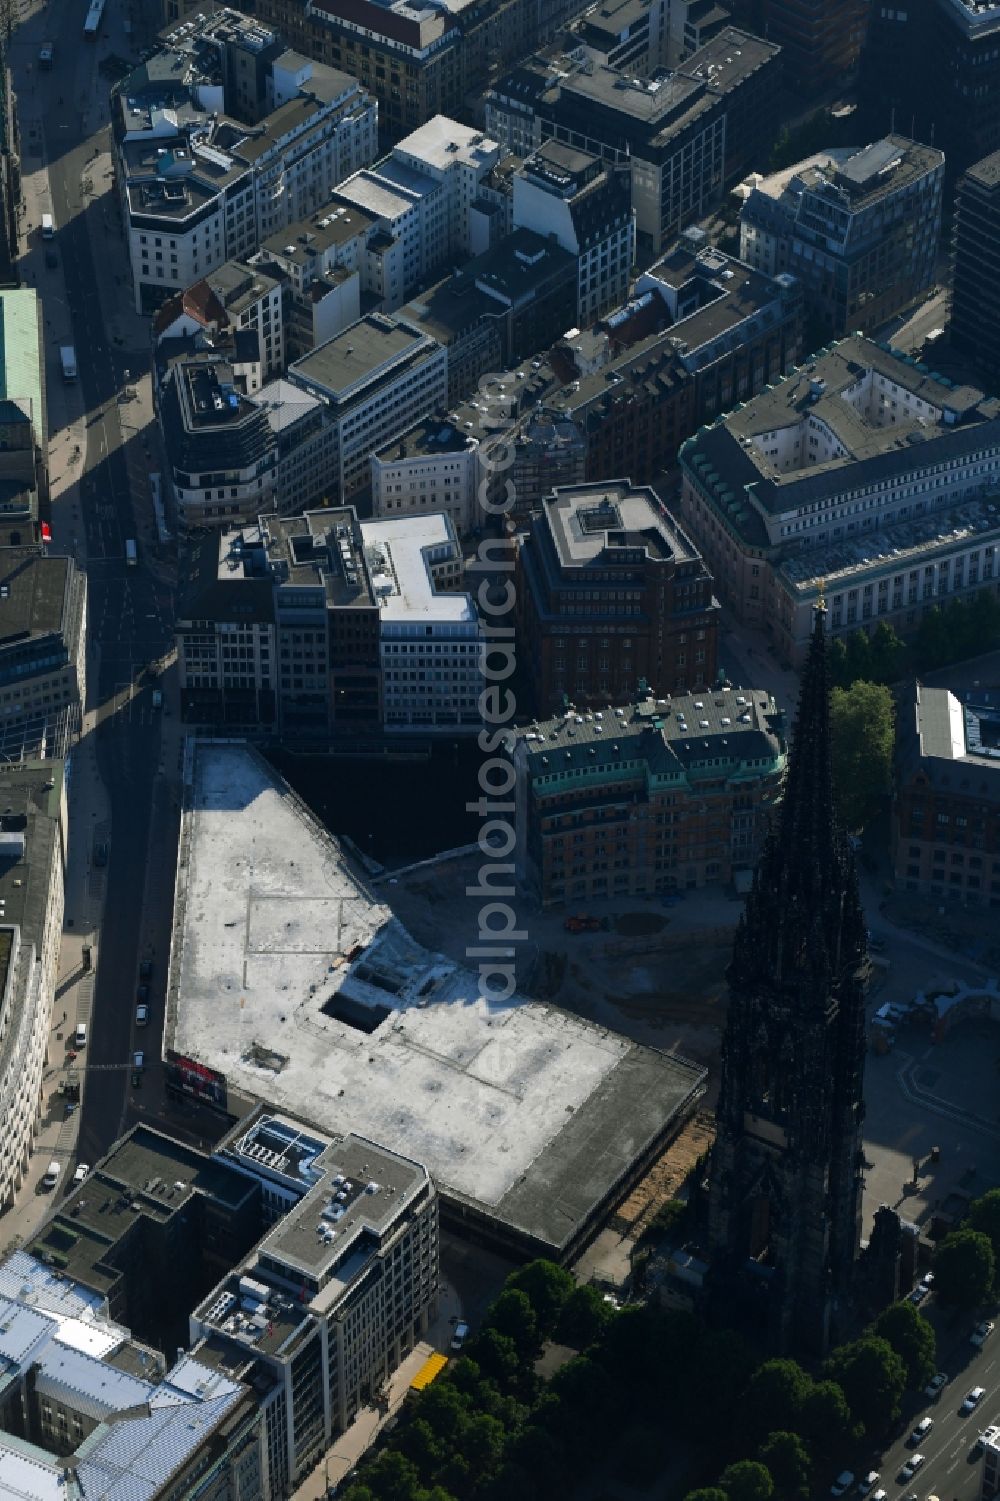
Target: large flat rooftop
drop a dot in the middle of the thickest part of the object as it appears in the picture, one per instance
(292, 977)
(400, 552)
(369, 348)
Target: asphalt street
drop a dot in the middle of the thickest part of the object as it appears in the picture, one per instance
(129, 609)
(952, 1467)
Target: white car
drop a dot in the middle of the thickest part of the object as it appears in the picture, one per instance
(919, 1433)
(82, 1172)
(911, 1466)
(934, 1386)
(460, 1336)
(981, 1333)
(864, 1486)
(879, 1495)
(973, 1400)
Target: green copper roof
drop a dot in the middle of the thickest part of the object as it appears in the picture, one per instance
(21, 355)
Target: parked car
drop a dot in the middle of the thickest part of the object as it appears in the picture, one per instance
(921, 1431)
(142, 995)
(933, 1387)
(138, 1061)
(82, 1171)
(141, 1015)
(52, 1174)
(871, 1479)
(911, 1466)
(460, 1336)
(145, 969)
(981, 1333)
(973, 1400)
(843, 1483)
(51, 259)
(80, 1035)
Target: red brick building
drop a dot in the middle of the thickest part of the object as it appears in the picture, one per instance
(612, 594)
(663, 795)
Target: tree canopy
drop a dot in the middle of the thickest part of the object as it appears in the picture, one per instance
(984, 1216)
(787, 1460)
(964, 1268)
(913, 1340)
(747, 1480)
(862, 737)
(873, 1379)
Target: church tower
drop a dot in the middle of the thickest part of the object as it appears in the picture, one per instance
(784, 1210)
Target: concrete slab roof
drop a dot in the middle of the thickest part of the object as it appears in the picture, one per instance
(289, 975)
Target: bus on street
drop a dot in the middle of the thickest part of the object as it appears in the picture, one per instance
(92, 24)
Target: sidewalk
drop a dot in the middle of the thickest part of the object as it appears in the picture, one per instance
(348, 1449)
(89, 823)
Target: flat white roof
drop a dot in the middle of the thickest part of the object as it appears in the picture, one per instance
(404, 587)
(370, 191)
(519, 1107)
(442, 141)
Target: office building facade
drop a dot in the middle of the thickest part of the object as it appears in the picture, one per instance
(33, 852)
(43, 649)
(434, 467)
(318, 627)
(586, 206)
(860, 479)
(946, 809)
(662, 795)
(975, 298)
(860, 230)
(612, 594)
(376, 379)
(199, 186)
(683, 135)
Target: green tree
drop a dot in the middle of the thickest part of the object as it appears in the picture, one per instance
(719, 1368)
(443, 1408)
(583, 1318)
(707, 1493)
(418, 1442)
(861, 728)
(586, 1398)
(787, 1460)
(644, 1452)
(497, 1357)
(456, 1477)
(984, 1216)
(964, 1268)
(482, 1444)
(913, 1340)
(390, 1477)
(647, 1351)
(825, 1419)
(873, 1378)
(513, 1316)
(546, 1287)
(840, 675)
(887, 654)
(859, 656)
(774, 1399)
(931, 645)
(747, 1480)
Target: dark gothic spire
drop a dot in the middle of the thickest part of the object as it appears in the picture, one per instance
(803, 918)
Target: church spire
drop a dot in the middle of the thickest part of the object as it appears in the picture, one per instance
(784, 1205)
(803, 914)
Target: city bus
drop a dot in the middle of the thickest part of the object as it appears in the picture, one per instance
(92, 24)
